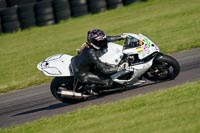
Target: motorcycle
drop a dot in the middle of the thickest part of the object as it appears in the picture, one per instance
(139, 60)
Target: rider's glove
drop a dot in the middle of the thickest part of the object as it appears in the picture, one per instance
(124, 36)
(123, 66)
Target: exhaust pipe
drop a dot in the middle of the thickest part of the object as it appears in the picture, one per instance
(72, 94)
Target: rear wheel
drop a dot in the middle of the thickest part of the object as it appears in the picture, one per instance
(62, 83)
(164, 68)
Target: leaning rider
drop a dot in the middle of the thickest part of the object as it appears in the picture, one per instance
(87, 60)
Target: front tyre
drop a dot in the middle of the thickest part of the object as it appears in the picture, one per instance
(62, 83)
(164, 68)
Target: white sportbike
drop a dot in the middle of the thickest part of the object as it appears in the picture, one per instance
(138, 59)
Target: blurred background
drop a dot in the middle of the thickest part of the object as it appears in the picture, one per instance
(22, 14)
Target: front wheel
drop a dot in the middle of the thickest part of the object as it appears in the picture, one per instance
(164, 68)
(62, 83)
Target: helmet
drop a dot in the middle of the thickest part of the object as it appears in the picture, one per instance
(97, 39)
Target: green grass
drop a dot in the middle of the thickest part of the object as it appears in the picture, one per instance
(173, 24)
(174, 110)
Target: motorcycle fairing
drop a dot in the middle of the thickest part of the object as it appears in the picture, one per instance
(59, 65)
(137, 70)
(145, 49)
(56, 65)
(113, 55)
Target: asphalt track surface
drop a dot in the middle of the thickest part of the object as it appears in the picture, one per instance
(36, 102)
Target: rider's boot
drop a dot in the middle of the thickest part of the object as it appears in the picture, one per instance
(105, 83)
(99, 82)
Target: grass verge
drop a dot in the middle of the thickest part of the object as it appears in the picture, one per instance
(173, 24)
(174, 110)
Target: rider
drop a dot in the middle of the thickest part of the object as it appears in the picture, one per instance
(87, 62)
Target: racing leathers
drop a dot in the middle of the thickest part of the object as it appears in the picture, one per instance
(87, 64)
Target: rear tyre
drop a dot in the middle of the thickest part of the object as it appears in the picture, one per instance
(164, 68)
(62, 83)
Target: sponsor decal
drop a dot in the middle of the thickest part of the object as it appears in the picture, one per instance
(139, 49)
